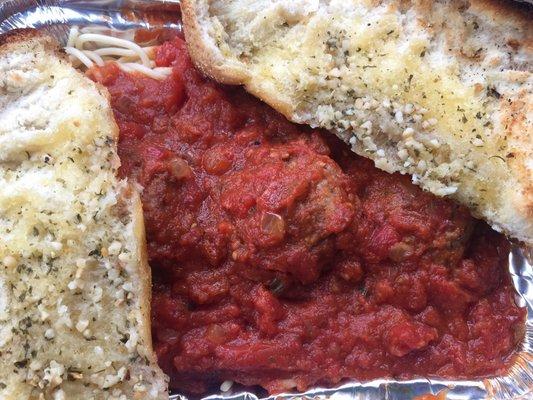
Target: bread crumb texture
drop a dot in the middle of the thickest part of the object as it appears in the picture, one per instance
(440, 90)
(73, 305)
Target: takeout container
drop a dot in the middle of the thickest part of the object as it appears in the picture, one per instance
(57, 16)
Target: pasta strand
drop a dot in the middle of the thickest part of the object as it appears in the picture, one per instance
(96, 45)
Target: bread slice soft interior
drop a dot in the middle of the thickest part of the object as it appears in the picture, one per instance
(74, 279)
(440, 90)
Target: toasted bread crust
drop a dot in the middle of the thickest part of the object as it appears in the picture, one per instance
(519, 13)
(145, 274)
(505, 24)
(208, 60)
(20, 35)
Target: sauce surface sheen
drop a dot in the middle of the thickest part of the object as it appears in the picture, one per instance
(283, 260)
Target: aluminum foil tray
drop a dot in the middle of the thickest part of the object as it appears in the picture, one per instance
(57, 16)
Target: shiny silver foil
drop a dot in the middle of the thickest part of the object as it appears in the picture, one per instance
(57, 16)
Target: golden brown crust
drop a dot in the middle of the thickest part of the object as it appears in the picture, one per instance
(271, 99)
(12, 38)
(145, 274)
(519, 13)
(212, 65)
(208, 61)
(19, 35)
(515, 14)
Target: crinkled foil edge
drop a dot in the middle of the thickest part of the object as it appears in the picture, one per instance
(57, 16)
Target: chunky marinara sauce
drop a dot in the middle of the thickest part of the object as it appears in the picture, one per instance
(281, 259)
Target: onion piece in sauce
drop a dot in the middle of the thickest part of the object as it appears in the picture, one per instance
(273, 226)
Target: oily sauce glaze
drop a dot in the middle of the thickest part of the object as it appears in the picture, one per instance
(282, 259)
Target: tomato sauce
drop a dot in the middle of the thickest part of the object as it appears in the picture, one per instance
(281, 259)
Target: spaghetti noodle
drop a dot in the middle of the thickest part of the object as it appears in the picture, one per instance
(96, 45)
